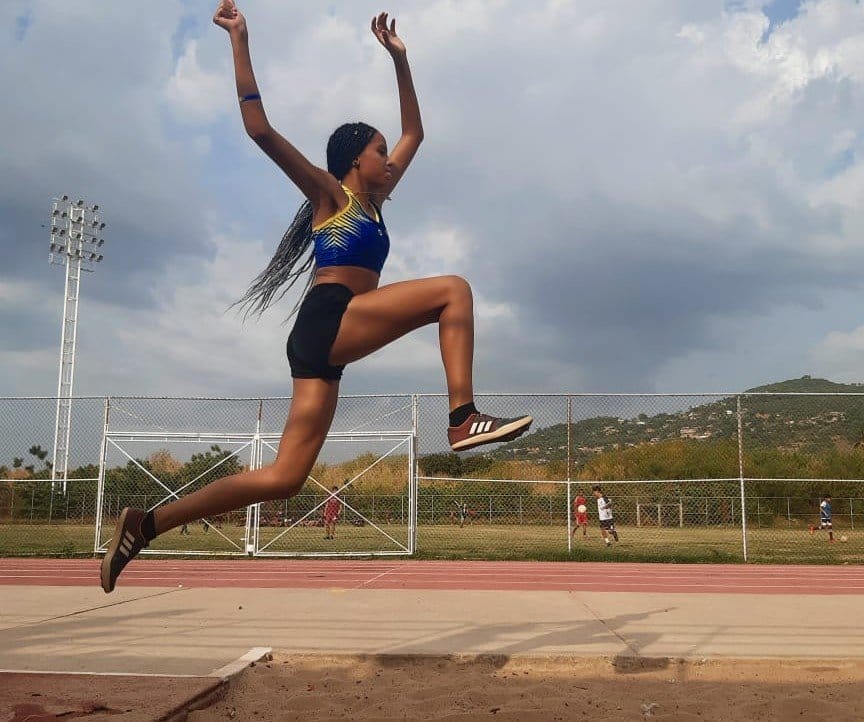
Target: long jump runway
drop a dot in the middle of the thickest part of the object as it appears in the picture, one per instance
(446, 575)
(196, 616)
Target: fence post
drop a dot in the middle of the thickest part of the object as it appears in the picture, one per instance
(490, 508)
(681, 514)
(100, 485)
(569, 464)
(788, 512)
(741, 477)
(569, 445)
(851, 514)
(414, 484)
(569, 516)
(252, 522)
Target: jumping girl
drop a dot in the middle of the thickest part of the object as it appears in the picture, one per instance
(344, 316)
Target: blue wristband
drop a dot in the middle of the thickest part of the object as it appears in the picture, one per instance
(251, 96)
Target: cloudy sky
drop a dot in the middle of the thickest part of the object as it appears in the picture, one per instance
(652, 196)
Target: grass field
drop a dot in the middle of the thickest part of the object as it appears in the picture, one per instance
(478, 541)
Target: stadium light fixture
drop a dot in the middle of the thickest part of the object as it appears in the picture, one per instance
(73, 237)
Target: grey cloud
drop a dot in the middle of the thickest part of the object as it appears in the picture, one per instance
(620, 300)
(87, 124)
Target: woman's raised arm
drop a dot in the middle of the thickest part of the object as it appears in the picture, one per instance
(315, 183)
(409, 108)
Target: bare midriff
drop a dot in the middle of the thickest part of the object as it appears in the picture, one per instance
(358, 279)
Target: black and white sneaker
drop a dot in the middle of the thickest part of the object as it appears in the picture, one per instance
(482, 429)
(127, 541)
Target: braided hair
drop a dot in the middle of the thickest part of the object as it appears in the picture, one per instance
(287, 264)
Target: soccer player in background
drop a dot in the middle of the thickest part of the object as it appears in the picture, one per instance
(580, 515)
(604, 515)
(332, 511)
(824, 518)
(463, 512)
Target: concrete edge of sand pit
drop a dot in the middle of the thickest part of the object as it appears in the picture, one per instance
(222, 678)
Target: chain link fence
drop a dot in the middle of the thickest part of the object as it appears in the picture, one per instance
(708, 477)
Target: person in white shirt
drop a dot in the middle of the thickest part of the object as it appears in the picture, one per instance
(604, 515)
(825, 518)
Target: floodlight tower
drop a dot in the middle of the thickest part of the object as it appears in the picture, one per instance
(76, 242)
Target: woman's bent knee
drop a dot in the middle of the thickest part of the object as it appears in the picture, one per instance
(458, 289)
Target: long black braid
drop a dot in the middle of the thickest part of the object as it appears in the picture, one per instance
(287, 264)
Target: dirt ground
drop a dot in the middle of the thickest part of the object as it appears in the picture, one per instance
(457, 689)
(39, 697)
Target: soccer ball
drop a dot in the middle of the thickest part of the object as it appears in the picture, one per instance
(844, 538)
(581, 508)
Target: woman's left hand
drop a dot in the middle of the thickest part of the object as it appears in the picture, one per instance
(387, 36)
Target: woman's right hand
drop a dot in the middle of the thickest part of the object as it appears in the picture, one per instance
(229, 17)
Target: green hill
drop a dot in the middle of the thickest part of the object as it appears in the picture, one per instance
(807, 424)
(808, 385)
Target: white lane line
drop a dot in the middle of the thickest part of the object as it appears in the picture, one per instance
(609, 570)
(375, 578)
(425, 581)
(827, 575)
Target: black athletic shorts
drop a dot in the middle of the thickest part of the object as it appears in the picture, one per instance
(314, 332)
(607, 523)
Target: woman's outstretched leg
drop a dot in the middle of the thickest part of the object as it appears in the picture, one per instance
(374, 319)
(312, 408)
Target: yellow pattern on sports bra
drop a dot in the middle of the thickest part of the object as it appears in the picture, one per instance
(351, 237)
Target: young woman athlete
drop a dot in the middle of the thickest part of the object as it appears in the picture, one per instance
(344, 316)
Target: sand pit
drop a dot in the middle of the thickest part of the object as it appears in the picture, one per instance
(292, 687)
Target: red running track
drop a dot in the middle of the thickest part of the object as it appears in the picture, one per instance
(461, 575)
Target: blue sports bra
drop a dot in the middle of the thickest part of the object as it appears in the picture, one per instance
(351, 238)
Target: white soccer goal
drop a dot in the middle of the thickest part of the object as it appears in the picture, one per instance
(371, 522)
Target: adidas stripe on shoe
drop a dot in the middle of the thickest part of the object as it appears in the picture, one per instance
(481, 429)
(127, 541)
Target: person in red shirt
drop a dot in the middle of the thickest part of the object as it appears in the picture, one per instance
(580, 515)
(332, 511)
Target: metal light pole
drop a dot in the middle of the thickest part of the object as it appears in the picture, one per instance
(76, 242)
